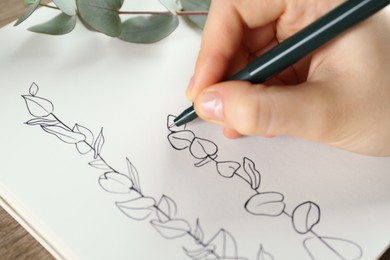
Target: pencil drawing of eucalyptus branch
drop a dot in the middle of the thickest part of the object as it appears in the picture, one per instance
(304, 217)
(162, 212)
(141, 27)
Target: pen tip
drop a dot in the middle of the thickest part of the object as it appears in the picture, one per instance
(172, 125)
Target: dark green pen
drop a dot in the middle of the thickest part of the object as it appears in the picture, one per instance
(300, 45)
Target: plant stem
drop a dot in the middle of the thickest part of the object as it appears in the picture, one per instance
(163, 13)
(49, 6)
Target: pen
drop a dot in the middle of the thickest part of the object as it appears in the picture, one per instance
(300, 45)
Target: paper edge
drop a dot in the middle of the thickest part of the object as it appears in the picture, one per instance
(33, 227)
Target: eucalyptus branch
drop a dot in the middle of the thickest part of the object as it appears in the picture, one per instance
(179, 13)
(136, 29)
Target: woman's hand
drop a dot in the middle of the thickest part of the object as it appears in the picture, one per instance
(340, 95)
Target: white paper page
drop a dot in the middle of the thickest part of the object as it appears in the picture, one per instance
(246, 193)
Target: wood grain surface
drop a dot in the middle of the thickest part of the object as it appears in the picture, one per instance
(15, 241)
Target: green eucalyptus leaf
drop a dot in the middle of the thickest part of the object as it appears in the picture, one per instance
(101, 15)
(61, 24)
(148, 29)
(198, 6)
(171, 5)
(66, 6)
(28, 2)
(32, 8)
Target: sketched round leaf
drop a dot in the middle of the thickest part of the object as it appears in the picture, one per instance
(66, 6)
(115, 182)
(148, 29)
(199, 6)
(226, 245)
(26, 14)
(33, 90)
(38, 107)
(202, 148)
(171, 126)
(181, 140)
(253, 174)
(305, 216)
(266, 204)
(101, 15)
(61, 24)
(332, 248)
(64, 134)
(168, 209)
(86, 146)
(228, 168)
(200, 253)
(138, 208)
(172, 229)
(43, 121)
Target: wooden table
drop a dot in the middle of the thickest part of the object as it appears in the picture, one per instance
(15, 242)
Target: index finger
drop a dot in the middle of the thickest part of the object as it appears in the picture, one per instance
(223, 35)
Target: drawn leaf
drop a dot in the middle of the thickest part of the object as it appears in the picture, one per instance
(63, 134)
(171, 5)
(26, 14)
(172, 229)
(115, 182)
(97, 147)
(305, 216)
(99, 164)
(206, 160)
(138, 208)
(66, 6)
(37, 106)
(84, 147)
(198, 5)
(227, 168)
(133, 174)
(172, 127)
(59, 25)
(148, 29)
(181, 140)
(202, 148)
(101, 15)
(266, 204)
(250, 170)
(225, 244)
(168, 207)
(263, 255)
(200, 253)
(33, 90)
(332, 248)
(42, 121)
(198, 233)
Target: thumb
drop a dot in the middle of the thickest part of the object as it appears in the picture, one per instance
(303, 110)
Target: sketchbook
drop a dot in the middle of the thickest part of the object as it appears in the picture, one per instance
(92, 169)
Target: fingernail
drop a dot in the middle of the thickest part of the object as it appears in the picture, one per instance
(210, 105)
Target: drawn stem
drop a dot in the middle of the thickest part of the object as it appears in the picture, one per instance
(89, 145)
(327, 245)
(188, 232)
